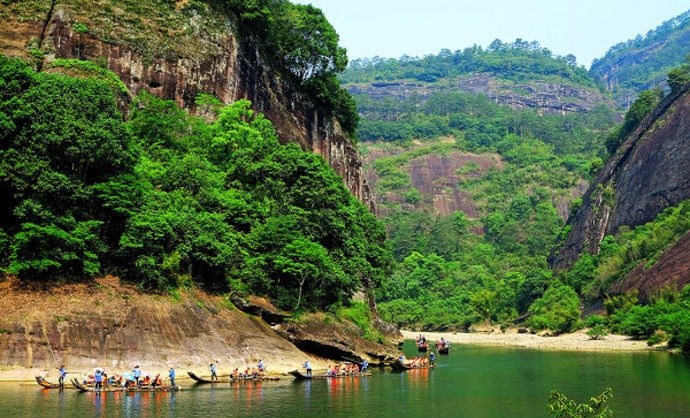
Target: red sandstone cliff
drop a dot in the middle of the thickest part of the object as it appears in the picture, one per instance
(210, 60)
(647, 174)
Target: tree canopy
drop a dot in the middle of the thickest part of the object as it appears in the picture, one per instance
(164, 199)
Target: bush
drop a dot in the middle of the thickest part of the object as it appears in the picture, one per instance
(598, 332)
(558, 310)
(562, 407)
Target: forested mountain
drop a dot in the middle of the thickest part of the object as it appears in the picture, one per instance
(475, 189)
(178, 160)
(643, 62)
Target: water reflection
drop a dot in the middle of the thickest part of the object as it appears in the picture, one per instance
(475, 382)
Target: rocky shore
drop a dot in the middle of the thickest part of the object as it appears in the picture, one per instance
(579, 340)
(113, 325)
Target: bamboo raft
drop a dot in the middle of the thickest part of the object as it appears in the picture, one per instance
(46, 384)
(396, 365)
(84, 388)
(231, 379)
(301, 376)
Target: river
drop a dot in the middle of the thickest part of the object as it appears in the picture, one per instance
(472, 382)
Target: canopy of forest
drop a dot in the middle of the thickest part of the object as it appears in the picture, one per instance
(166, 200)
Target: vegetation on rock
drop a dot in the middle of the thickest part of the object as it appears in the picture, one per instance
(164, 199)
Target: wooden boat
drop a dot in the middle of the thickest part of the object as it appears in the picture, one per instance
(84, 388)
(423, 347)
(396, 365)
(259, 378)
(301, 376)
(46, 384)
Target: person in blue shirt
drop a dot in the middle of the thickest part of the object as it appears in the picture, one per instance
(261, 366)
(63, 373)
(136, 372)
(308, 367)
(364, 366)
(432, 358)
(98, 376)
(172, 377)
(213, 371)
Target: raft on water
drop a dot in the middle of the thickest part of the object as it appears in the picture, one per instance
(396, 365)
(84, 388)
(259, 378)
(46, 384)
(301, 376)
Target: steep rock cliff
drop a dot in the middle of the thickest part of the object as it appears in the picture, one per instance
(209, 60)
(648, 173)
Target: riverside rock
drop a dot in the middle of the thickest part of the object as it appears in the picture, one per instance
(112, 325)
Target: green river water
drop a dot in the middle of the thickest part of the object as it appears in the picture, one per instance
(474, 382)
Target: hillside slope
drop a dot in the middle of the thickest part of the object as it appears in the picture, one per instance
(648, 173)
(643, 63)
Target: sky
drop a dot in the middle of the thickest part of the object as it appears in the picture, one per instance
(584, 28)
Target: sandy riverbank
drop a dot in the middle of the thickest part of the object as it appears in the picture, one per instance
(578, 341)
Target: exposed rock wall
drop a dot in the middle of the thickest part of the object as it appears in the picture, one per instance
(648, 173)
(228, 69)
(112, 325)
(543, 96)
(436, 178)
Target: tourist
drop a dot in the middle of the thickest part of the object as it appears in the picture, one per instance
(307, 366)
(171, 375)
(98, 378)
(261, 366)
(146, 381)
(157, 381)
(136, 372)
(364, 366)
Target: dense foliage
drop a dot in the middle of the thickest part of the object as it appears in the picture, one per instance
(455, 272)
(560, 406)
(302, 45)
(518, 61)
(165, 199)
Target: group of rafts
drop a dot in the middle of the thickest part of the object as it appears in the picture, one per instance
(344, 371)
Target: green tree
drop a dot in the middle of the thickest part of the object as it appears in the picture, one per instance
(308, 263)
(562, 407)
(308, 44)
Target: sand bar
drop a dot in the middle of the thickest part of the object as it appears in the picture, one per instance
(578, 341)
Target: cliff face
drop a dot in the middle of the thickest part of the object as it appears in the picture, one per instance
(108, 324)
(543, 96)
(435, 177)
(648, 173)
(214, 63)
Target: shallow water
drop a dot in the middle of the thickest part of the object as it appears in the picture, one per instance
(471, 382)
